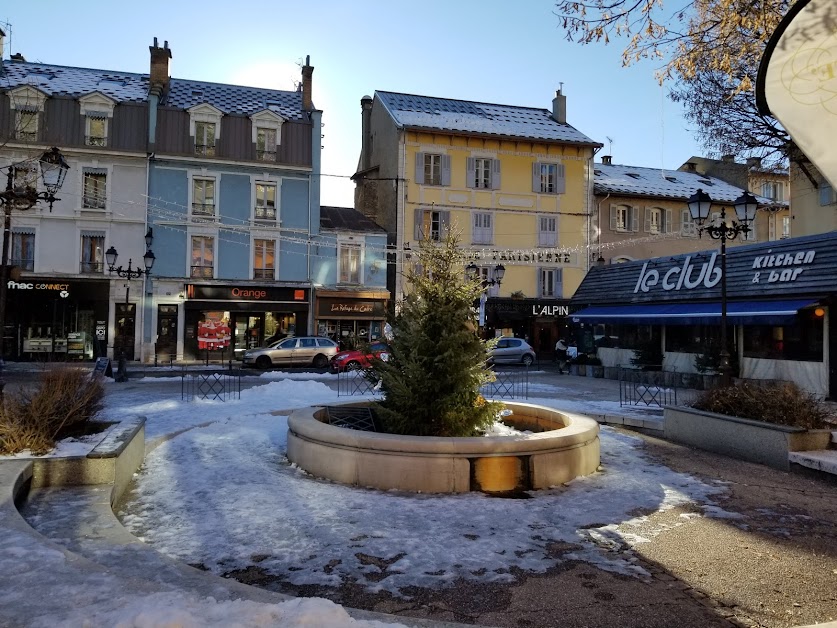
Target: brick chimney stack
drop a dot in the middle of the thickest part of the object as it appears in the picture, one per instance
(606, 160)
(307, 74)
(559, 107)
(366, 132)
(159, 75)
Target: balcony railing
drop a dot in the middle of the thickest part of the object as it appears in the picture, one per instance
(23, 264)
(207, 150)
(263, 273)
(265, 213)
(203, 272)
(92, 267)
(93, 201)
(95, 140)
(266, 155)
(27, 136)
(203, 209)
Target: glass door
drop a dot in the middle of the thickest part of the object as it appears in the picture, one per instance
(126, 316)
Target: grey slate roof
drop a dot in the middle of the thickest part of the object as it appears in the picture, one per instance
(347, 219)
(56, 80)
(445, 114)
(659, 183)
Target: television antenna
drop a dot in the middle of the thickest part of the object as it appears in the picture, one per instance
(610, 145)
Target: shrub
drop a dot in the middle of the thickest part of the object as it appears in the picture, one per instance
(782, 403)
(61, 405)
(710, 360)
(648, 356)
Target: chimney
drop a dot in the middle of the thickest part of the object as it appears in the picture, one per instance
(690, 166)
(729, 159)
(754, 163)
(366, 132)
(18, 57)
(307, 73)
(559, 107)
(159, 75)
(606, 160)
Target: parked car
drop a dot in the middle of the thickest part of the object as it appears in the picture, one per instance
(305, 350)
(512, 351)
(359, 359)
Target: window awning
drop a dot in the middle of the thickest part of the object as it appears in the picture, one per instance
(738, 313)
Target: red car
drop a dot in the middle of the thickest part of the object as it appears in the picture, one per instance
(357, 359)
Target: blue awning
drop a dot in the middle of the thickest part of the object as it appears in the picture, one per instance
(738, 313)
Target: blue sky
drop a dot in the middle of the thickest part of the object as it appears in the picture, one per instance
(496, 51)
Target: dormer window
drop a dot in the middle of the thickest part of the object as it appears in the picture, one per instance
(28, 105)
(205, 127)
(267, 134)
(97, 110)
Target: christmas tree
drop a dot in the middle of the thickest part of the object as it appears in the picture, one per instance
(437, 365)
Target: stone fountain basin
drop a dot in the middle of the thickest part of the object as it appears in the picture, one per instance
(565, 446)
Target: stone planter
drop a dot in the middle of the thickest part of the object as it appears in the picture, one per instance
(562, 447)
(582, 370)
(745, 439)
(595, 370)
(573, 369)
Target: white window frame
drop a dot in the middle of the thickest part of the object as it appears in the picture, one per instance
(202, 233)
(624, 218)
(266, 120)
(81, 236)
(255, 199)
(85, 173)
(483, 169)
(26, 100)
(264, 238)
(771, 227)
(433, 163)
(210, 115)
(551, 177)
(202, 217)
(96, 106)
(663, 222)
(348, 245)
(547, 229)
(482, 228)
(786, 227)
(18, 233)
(555, 283)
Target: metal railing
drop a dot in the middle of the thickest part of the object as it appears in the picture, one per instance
(356, 382)
(508, 385)
(211, 385)
(640, 387)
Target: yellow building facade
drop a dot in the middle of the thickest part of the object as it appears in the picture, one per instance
(514, 183)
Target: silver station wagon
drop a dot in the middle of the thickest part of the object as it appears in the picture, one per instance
(302, 350)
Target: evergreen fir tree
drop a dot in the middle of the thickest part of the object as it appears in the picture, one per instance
(437, 365)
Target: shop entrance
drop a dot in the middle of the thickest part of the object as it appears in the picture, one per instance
(126, 328)
(249, 332)
(166, 345)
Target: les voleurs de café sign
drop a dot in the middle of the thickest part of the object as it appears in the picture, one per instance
(767, 269)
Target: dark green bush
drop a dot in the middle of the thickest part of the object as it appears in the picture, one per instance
(648, 356)
(61, 405)
(781, 403)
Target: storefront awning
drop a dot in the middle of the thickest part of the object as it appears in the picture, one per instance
(738, 313)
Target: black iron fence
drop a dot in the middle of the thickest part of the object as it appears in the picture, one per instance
(355, 382)
(639, 387)
(212, 385)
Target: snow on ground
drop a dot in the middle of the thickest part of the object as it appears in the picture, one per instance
(225, 496)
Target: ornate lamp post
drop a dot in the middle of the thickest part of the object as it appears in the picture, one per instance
(21, 194)
(497, 274)
(132, 273)
(745, 205)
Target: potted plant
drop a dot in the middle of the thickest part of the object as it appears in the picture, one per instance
(754, 422)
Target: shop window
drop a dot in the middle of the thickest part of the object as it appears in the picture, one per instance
(23, 250)
(800, 342)
(95, 189)
(92, 252)
(692, 338)
(547, 231)
(350, 260)
(623, 336)
(264, 259)
(203, 257)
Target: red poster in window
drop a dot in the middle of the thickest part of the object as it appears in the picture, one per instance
(213, 335)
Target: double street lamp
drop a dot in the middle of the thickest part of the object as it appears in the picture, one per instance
(472, 272)
(21, 193)
(700, 204)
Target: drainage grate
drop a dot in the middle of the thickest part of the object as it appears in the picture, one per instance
(352, 418)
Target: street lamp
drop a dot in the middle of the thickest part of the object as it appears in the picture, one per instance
(745, 205)
(471, 271)
(21, 194)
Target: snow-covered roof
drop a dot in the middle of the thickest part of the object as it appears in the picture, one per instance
(660, 183)
(56, 80)
(445, 114)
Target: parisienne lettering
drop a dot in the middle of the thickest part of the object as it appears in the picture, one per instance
(680, 276)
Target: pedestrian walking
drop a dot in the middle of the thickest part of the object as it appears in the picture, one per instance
(561, 355)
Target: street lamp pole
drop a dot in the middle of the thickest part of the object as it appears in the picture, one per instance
(499, 271)
(21, 193)
(745, 205)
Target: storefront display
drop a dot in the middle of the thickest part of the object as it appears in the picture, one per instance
(351, 318)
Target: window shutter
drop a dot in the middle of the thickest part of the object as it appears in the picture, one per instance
(495, 174)
(614, 218)
(419, 168)
(444, 223)
(647, 220)
(555, 236)
(536, 177)
(418, 214)
(559, 282)
(667, 224)
(471, 172)
(560, 180)
(634, 215)
(540, 281)
(445, 169)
